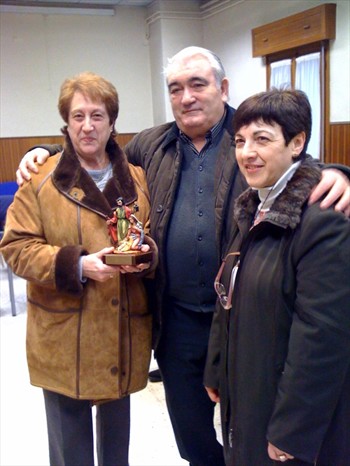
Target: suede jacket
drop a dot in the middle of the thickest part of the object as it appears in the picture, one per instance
(86, 340)
(283, 350)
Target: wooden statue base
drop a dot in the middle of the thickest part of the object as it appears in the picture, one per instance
(127, 258)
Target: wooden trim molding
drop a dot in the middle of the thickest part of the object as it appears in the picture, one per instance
(13, 149)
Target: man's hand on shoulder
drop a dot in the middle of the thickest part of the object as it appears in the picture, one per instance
(28, 164)
(336, 186)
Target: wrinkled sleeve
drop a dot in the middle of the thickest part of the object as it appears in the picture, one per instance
(26, 250)
(133, 151)
(212, 367)
(51, 148)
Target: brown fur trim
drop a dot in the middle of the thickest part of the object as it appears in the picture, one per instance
(69, 174)
(287, 208)
(67, 270)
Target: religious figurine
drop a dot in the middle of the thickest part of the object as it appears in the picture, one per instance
(133, 240)
(118, 224)
(127, 236)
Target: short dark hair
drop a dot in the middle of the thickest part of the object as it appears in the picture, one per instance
(289, 108)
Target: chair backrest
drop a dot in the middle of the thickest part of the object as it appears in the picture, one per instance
(5, 201)
(8, 188)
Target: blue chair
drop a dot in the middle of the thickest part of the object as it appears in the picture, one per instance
(8, 188)
(5, 201)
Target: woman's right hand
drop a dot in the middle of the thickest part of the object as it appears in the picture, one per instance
(213, 394)
(95, 269)
(27, 164)
(278, 455)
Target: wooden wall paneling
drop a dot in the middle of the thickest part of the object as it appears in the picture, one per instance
(13, 149)
(124, 138)
(339, 151)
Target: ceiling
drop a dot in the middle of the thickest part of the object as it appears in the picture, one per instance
(102, 5)
(76, 3)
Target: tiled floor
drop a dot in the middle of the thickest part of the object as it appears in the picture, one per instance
(23, 440)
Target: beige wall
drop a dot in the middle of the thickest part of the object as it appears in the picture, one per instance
(229, 33)
(39, 51)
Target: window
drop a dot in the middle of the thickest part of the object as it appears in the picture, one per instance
(300, 60)
(303, 70)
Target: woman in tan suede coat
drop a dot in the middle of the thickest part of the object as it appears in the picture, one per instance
(89, 327)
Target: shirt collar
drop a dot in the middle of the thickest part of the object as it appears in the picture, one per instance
(268, 195)
(211, 134)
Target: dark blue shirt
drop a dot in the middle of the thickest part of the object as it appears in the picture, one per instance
(191, 249)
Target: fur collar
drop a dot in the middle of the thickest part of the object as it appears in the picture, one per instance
(286, 211)
(74, 181)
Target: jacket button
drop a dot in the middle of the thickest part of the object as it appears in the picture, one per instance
(115, 302)
(114, 370)
(160, 208)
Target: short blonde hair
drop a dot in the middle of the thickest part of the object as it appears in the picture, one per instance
(95, 87)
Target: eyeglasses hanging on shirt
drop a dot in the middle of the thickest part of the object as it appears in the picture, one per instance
(224, 297)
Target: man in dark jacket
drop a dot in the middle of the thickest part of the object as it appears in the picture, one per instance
(193, 179)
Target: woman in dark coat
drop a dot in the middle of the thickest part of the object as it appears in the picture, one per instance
(279, 352)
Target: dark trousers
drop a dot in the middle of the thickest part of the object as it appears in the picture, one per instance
(181, 358)
(70, 431)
